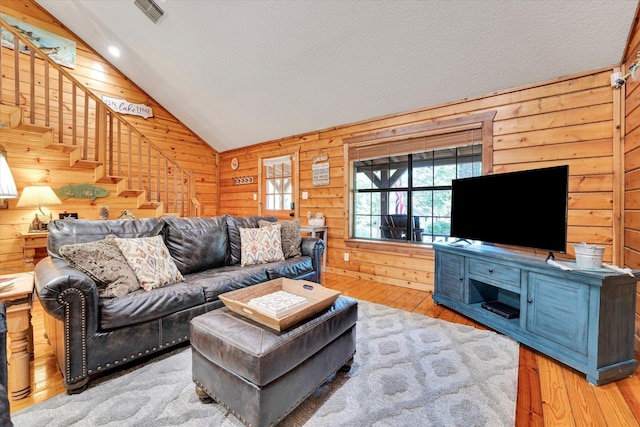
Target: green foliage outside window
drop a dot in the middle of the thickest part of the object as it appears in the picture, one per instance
(390, 190)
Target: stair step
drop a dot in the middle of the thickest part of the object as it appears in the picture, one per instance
(63, 148)
(85, 164)
(11, 115)
(131, 193)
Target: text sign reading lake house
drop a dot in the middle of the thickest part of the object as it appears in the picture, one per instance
(125, 107)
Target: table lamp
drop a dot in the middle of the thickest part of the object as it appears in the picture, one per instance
(8, 188)
(38, 196)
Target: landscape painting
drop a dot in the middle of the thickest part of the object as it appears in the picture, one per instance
(59, 49)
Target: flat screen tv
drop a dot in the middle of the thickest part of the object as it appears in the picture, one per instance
(526, 208)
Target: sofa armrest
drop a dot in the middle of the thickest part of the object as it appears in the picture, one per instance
(67, 294)
(314, 248)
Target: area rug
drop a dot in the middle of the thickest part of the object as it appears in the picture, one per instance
(409, 370)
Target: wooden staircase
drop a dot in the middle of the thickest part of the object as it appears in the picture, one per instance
(12, 128)
(67, 117)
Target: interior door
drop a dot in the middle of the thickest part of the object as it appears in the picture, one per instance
(278, 186)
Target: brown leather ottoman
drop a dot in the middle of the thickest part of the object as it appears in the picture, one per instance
(260, 374)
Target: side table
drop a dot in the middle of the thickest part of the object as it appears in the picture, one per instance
(322, 233)
(30, 243)
(18, 300)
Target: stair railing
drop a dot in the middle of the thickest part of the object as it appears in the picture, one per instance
(84, 125)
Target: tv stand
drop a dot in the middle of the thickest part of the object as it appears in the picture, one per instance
(583, 319)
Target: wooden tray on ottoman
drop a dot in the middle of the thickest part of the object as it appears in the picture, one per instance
(318, 298)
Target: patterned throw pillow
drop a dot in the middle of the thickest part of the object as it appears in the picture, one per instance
(290, 235)
(149, 259)
(260, 245)
(104, 263)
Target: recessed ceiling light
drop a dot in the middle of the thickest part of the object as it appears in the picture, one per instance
(114, 51)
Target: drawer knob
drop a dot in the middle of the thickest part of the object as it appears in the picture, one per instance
(491, 270)
(529, 300)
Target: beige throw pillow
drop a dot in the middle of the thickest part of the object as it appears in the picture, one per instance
(290, 235)
(260, 245)
(149, 259)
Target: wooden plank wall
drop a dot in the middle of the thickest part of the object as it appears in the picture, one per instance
(631, 129)
(31, 164)
(565, 121)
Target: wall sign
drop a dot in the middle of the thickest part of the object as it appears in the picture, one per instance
(125, 107)
(320, 170)
(235, 163)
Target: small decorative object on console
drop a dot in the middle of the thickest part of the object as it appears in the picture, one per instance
(103, 212)
(316, 220)
(588, 256)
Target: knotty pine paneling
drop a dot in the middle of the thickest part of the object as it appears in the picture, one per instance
(631, 129)
(565, 121)
(32, 164)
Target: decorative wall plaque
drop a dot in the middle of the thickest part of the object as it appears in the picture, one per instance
(320, 170)
(123, 106)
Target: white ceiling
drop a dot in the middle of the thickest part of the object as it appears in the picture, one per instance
(243, 72)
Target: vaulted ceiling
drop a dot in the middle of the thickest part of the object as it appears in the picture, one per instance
(243, 72)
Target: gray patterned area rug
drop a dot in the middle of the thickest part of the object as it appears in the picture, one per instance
(409, 370)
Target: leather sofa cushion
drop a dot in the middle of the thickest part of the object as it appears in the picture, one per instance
(142, 306)
(234, 223)
(197, 244)
(291, 268)
(225, 279)
(66, 232)
(261, 355)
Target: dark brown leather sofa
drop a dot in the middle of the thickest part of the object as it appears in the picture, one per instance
(91, 335)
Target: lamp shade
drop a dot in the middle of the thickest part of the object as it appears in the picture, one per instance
(37, 196)
(8, 188)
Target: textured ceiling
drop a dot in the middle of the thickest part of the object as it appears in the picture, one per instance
(243, 72)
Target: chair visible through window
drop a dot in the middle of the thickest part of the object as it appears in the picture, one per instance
(395, 227)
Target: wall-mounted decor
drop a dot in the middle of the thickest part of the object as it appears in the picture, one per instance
(123, 106)
(235, 163)
(243, 180)
(59, 49)
(320, 170)
(81, 191)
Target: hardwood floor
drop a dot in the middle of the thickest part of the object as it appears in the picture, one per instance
(549, 394)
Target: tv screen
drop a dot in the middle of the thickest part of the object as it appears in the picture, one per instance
(526, 208)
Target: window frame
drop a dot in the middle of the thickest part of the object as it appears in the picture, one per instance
(394, 137)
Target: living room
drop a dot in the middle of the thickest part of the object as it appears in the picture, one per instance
(577, 120)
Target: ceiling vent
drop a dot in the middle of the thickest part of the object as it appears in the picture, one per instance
(151, 9)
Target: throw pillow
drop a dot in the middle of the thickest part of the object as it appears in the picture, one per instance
(290, 235)
(104, 263)
(260, 245)
(234, 223)
(149, 259)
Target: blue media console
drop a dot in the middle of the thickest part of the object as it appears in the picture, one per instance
(584, 319)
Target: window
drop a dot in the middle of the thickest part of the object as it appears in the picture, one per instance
(390, 190)
(399, 178)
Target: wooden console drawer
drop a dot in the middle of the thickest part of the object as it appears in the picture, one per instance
(495, 274)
